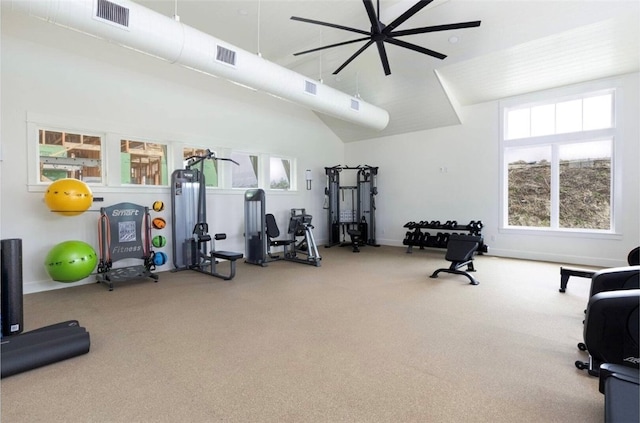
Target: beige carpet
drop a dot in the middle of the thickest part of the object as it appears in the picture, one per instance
(366, 337)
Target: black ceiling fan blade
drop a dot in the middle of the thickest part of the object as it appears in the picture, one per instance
(383, 58)
(330, 46)
(417, 48)
(435, 28)
(406, 15)
(350, 59)
(344, 28)
(375, 22)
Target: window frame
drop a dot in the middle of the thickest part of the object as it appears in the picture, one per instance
(555, 141)
(168, 161)
(35, 125)
(292, 173)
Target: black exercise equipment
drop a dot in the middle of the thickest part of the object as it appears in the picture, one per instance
(612, 330)
(633, 259)
(193, 246)
(124, 233)
(621, 388)
(417, 238)
(11, 265)
(615, 279)
(460, 251)
(43, 346)
(262, 233)
(351, 209)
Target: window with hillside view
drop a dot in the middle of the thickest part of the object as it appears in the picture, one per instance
(558, 164)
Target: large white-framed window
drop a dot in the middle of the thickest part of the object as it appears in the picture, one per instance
(247, 173)
(281, 173)
(558, 163)
(143, 163)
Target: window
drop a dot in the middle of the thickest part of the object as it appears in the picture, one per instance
(246, 174)
(279, 173)
(209, 167)
(143, 163)
(69, 155)
(558, 164)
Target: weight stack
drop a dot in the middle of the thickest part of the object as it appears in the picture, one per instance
(11, 286)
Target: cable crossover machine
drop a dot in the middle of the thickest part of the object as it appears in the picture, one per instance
(351, 208)
(193, 246)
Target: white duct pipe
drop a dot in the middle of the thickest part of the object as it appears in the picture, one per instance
(155, 34)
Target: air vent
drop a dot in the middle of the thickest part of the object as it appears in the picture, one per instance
(113, 13)
(310, 87)
(355, 104)
(225, 55)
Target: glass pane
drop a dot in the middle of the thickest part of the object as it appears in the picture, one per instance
(209, 166)
(245, 175)
(280, 173)
(67, 155)
(543, 120)
(529, 185)
(569, 116)
(518, 124)
(597, 112)
(143, 163)
(585, 185)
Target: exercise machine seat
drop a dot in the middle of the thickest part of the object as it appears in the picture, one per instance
(274, 232)
(612, 330)
(621, 388)
(615, 278)
(460, 251)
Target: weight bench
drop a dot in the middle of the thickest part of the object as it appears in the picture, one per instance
(460, 251)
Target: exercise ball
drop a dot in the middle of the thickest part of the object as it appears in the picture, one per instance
(158, 223)
(159, 258)
(68, 196)
(70, 261)
(159, 241)
(158, 206)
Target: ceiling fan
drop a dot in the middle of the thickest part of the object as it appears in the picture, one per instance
(381, 33)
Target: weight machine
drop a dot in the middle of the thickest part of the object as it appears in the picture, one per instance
(262, 233)
(351, 209)
(193, 246)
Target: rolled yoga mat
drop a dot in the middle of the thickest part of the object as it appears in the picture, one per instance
(43, 346)
(11, 286)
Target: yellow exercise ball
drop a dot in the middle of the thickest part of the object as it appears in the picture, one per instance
(68, 197)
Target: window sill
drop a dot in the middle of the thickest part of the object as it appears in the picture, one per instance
(564, 233)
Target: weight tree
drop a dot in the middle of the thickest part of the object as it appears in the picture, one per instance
(351, 209)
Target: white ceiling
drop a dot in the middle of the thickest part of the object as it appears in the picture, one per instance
(521, 46)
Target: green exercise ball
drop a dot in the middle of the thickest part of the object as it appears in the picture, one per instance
(70, 261)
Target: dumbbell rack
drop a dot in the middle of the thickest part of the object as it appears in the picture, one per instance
(415, 237)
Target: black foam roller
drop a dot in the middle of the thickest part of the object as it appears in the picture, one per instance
(11, 286)
(42, 347)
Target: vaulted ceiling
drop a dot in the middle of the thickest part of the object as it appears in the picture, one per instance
(521, 46)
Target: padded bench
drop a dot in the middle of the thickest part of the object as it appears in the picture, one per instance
(231, 256)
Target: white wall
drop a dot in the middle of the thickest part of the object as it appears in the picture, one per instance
(56, 74)
(412, 186)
